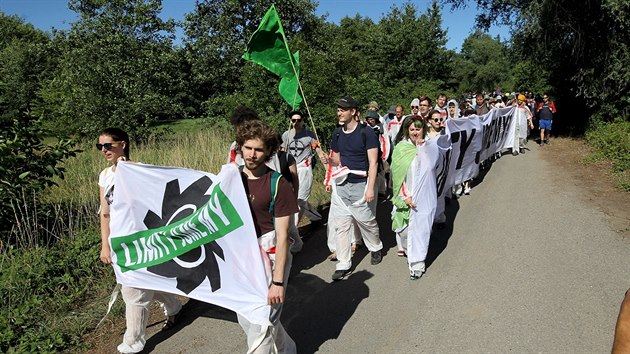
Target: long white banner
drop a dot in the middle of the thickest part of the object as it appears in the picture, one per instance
(476, 138)
(189, 233)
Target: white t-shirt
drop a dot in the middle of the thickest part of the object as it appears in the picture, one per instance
(106, 181)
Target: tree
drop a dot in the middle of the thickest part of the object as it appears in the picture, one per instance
(117, 68)
(482, 65)
(216, 34)
(583, 45)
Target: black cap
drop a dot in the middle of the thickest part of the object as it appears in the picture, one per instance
(347, 102)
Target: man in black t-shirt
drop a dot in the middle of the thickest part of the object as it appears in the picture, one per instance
(272, 202)
(354, 147)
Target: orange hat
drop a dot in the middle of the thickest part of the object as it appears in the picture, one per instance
(522, 97)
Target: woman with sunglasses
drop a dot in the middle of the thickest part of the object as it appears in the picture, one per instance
(404, 166)
(114, 144)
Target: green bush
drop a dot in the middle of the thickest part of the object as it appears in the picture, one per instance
(41, 289)
(27, 165)
(612, 141)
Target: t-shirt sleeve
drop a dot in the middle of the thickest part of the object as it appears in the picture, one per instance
(102, 178)
(285, 138)
(371, 139)
(285, 203)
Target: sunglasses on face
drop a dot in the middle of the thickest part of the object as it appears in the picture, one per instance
(415, 107)
(296, 120)
(107, 146)
(438, 119)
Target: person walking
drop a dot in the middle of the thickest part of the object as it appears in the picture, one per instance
(355, 147)
(114, 144)
(272, 203)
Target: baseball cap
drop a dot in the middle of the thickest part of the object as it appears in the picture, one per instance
(347, 102)
(392, 110)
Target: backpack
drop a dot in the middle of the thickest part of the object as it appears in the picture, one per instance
(362, 127)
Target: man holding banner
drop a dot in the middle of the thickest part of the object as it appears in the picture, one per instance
(272, 203)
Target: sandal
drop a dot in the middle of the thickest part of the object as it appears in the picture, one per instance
(170, 323)
(355, 247)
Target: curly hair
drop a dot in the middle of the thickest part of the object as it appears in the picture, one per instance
(243, 114)
(256, 129)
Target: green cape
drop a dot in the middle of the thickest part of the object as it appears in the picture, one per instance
(403, 155)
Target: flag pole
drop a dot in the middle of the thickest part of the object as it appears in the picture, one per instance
(286, 44)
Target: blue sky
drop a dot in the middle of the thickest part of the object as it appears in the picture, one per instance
(45, 14)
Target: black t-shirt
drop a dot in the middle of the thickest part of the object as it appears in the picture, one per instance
(259, 194)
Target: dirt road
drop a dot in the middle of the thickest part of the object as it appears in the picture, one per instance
(526, 264)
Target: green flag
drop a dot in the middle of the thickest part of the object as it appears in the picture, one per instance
(268, 47)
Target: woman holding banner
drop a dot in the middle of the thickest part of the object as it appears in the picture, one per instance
(404, 166)
(114, 144)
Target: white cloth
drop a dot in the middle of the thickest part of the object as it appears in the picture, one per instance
(274, 338)
(424, 196)
(353, 210)
(137, 303)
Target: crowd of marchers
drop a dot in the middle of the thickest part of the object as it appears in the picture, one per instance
(372, 158)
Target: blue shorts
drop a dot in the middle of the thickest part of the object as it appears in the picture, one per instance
(545, 124)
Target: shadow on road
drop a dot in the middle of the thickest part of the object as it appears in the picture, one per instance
(318, 310)
(439, 238)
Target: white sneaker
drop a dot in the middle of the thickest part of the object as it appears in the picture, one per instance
(467, 191)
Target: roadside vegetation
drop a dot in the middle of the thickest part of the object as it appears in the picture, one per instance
(117, 66)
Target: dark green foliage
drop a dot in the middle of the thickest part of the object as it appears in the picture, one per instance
(27, 165)
(117, 68)
(580, 48)
(39, 289)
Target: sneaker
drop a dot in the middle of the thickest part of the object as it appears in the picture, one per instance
(400, 253)
(467, 191)
(415, 276)
(376, 258)
(340, 274)
(128, 349)
(514, 153)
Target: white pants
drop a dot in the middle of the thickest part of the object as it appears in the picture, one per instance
(416, 268)
(275, 338)
(362, 214)
(137, 303)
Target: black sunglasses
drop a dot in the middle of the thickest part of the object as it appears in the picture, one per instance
(296, 120)
(438, 119)
(107, 146)
(416, 107)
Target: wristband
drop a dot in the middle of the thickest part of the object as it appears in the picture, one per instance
(277, 283)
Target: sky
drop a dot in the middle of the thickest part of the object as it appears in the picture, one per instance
(46, 14)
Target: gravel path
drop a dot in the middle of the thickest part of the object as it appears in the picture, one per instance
(525, 265)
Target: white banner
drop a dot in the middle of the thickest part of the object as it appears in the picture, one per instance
(476, 138)
(188, 233)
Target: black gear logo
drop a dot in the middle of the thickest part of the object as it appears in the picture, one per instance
(193, 267)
